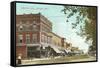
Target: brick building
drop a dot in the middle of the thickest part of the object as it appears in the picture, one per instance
(34, 36)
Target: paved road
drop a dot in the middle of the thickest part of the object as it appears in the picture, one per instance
(85, 59)
(53, 60)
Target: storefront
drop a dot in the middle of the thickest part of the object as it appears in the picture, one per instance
(33, 52)
(21, 50)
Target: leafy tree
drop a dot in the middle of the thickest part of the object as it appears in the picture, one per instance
(86, 20)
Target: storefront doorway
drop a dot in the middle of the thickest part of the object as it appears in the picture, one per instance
(33, 52)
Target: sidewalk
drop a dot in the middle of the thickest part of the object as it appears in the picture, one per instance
(58, 59)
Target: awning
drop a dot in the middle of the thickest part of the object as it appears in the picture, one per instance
(56, 49)
(67, 51)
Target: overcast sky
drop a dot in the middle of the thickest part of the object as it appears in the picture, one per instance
(58, 19)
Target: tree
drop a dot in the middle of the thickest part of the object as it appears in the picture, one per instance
(87, 16)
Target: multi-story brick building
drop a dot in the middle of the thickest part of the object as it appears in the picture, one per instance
(34, 35)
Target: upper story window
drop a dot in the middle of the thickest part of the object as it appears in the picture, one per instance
(35, 26)
(34, 23)
(45, 28)
(42, 38)
(45, 39)
(20, 27)
(55, 43)
(49, 39)
(20, 38)
(27, 38)
(34, 38)
(27, 26)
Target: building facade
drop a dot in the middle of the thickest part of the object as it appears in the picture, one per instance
(34, 37)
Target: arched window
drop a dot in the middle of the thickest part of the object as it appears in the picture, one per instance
(34, 25)
(20, 27)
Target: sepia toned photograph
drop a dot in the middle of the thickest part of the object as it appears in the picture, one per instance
(55, 33)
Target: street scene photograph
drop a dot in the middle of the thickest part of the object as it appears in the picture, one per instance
(49, 33)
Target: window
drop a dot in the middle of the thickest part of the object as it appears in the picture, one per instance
(20, 38)
(34, 38)
(55, 43)
(58, 44)
(35, 27)
(49, 39)
(27, 26)
(45, 28)
(20, 27)
(31, 51)
(34, 22)
(45, 39)
(42, 38)
(27, 38)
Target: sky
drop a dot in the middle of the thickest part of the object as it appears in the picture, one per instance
(58, 19)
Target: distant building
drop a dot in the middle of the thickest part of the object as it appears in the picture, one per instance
(76, 51)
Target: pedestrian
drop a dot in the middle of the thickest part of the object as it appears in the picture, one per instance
(19, 59)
